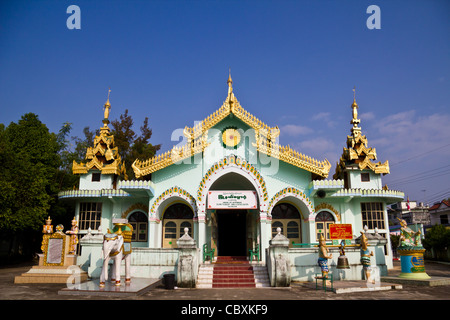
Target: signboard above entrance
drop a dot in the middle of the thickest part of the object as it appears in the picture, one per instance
(232, 200)
(341, 231)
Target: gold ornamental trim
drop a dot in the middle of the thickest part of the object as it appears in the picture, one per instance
(136, 206)
(411, 252)
(357, 151)
(103, 155)
(55, 235)
(264, 134)
(329, 207)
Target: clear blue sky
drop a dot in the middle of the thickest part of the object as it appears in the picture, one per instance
(293, 63)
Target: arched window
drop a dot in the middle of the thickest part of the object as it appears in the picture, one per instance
(275, 226)
(176, 217)
(287, 217)
(139, 221)
(323, 221)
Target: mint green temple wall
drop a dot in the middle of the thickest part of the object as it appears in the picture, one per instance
(113, 208)
(86, 183)
(351, 214)
(356, 183)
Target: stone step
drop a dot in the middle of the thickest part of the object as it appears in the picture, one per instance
(205, 276)
(232, 275)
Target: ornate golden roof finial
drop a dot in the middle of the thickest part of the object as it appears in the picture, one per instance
(355, 121)
(354, 105)
(230, 83)
(107, 105)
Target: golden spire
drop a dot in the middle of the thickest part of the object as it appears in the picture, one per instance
(354, 105)
(107, 106)
(230, 83)
(357, 151)
(355, 121)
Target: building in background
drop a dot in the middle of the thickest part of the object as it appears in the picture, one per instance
(440, 213)
(410, 211)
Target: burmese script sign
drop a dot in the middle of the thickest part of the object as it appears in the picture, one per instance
(54, 251)
(341, 231)
(232, 200)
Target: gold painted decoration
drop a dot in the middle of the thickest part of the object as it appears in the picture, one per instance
(234, 161)
(103, 156)
(55, 250)
(357, 152)
(231, 137)
(136, 206)
(290, 192)
(264, 136)
(329, 207)
(173, 192)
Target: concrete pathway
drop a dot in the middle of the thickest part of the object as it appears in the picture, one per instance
(297, 291)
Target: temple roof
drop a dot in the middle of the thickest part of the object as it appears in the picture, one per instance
(357, 154)
(103, 156)
(265, 135)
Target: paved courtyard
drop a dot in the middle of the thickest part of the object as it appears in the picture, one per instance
(297, 291)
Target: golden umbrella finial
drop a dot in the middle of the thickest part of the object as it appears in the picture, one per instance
(107, 105)
(354, 105)
(230, 85)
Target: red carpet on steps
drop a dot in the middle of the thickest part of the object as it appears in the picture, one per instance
(233, 272)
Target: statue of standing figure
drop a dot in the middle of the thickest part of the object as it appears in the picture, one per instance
(365, 255)
(324, 255)
(73, 236)
(47, 230)
(47, 227)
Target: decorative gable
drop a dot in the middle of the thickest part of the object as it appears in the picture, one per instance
(264, 137)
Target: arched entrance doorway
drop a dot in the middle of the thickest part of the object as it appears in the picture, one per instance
(231, 234)
(233, 230)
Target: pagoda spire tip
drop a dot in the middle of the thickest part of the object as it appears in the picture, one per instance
(107, 106)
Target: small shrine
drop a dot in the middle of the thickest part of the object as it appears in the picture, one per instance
(411, 253)
(57, 262)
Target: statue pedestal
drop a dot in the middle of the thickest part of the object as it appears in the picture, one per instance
(187, 270)
(412, 263)
(278, 263)
(56, 265)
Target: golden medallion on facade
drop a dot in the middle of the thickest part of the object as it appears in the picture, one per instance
(231, 137)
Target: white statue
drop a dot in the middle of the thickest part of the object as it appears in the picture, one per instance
(115, 248)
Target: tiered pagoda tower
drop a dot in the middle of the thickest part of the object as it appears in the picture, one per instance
(358, 156)
(104, 155)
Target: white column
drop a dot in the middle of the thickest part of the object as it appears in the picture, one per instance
(201, 231)
(265, 234)
(153, 234)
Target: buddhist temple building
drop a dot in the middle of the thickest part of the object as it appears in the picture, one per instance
(232, 185)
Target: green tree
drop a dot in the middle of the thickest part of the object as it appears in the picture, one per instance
(29, 164)
(438, 237)
(131, 146)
